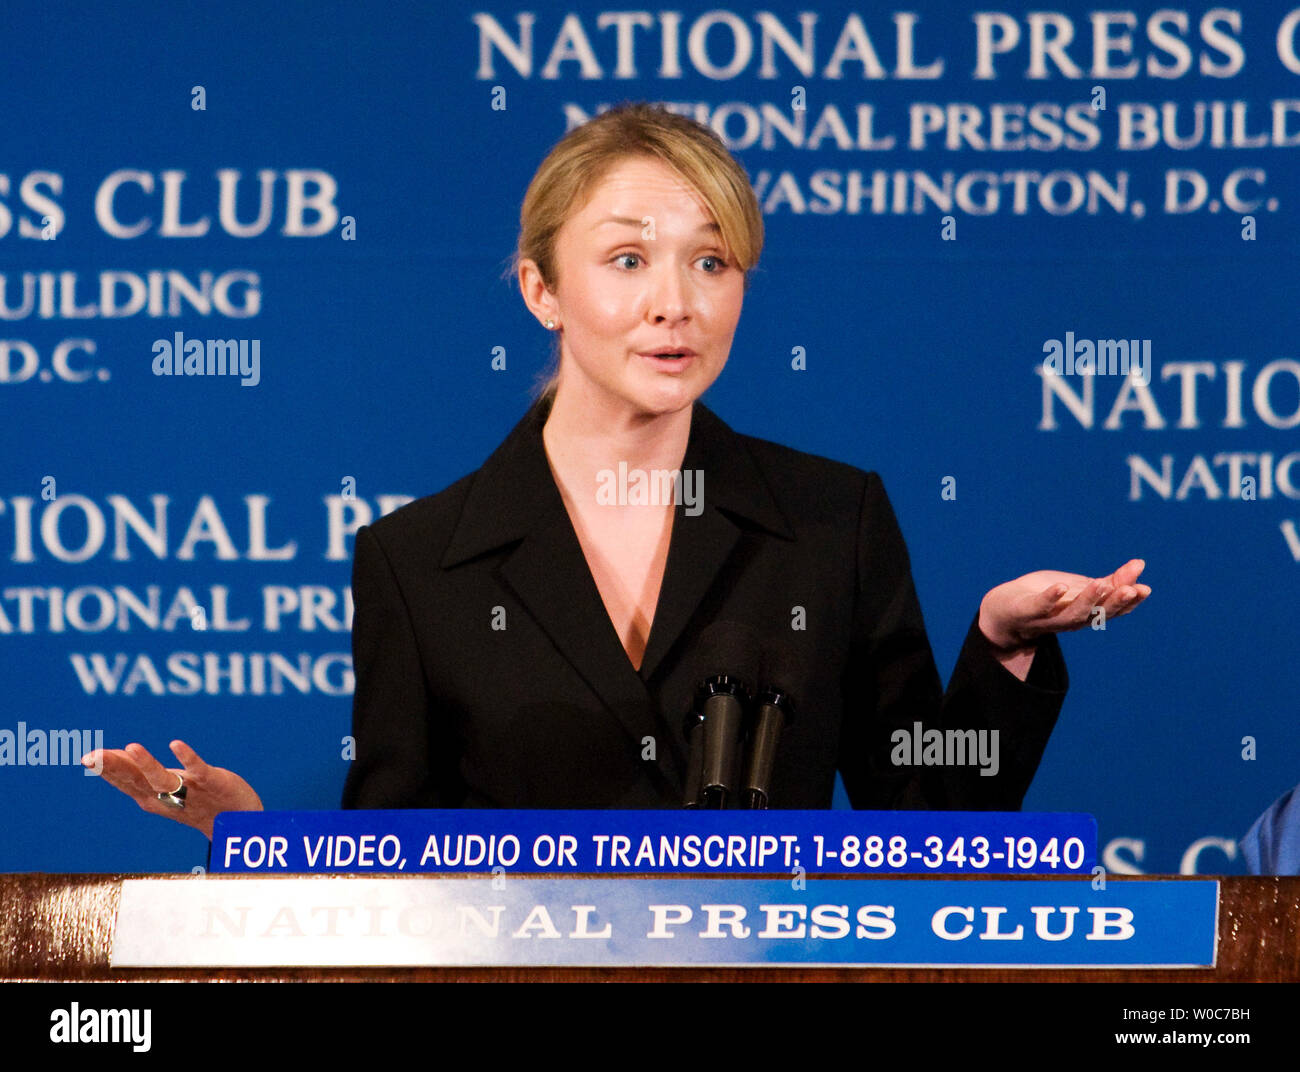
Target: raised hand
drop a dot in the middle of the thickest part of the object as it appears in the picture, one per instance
(208, 790)
(1015, 614)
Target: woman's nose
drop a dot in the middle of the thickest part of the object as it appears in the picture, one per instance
(670, 297)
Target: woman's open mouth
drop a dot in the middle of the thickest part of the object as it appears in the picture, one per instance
(668, 360)
(670, 356)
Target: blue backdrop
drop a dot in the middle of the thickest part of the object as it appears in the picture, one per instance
(946, 189)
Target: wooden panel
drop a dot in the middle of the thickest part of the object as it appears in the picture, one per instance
(61, 927)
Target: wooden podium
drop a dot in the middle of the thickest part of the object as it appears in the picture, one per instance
(60, 928)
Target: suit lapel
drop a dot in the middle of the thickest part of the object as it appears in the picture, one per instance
(550, 576)
(513, 499)
(699, 548)
(735, 499)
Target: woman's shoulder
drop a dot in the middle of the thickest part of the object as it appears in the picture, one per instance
(808, 484)
(497, 493)
(424, 524)
(780, 458)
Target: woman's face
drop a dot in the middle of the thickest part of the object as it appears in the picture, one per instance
(641, 271)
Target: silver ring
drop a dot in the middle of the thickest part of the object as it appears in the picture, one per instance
(176, 798)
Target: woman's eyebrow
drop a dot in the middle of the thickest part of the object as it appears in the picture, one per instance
(629, 221)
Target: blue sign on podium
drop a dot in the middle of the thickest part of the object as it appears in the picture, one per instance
(655, 842)
(700, 922)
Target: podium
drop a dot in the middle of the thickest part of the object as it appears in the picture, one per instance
(61, 928)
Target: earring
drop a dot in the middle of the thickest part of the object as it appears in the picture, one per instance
(549, 325)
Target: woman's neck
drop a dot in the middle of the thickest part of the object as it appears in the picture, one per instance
(584, 440)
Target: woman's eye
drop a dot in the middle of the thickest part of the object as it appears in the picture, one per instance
(623, 259)
(712, 264)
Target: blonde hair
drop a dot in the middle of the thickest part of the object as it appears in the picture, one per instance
(571, 170)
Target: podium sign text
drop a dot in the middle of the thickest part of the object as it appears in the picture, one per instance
(236, 921)
(655, 842)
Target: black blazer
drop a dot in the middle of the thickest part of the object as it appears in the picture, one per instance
(488, 673)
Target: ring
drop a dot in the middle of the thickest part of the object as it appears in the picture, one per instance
(176, 798)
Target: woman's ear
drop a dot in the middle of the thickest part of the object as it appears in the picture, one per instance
(539, 299)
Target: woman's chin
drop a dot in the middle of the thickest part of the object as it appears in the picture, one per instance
(670, 393)
(663, 399)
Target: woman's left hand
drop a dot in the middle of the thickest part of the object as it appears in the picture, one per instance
(1014, 615)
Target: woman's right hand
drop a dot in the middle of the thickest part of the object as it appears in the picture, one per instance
(208, 790)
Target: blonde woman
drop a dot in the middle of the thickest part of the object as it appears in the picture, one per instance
(528, 637)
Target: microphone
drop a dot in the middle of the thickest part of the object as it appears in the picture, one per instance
(782, 670)
(729, 654)
(695, 758)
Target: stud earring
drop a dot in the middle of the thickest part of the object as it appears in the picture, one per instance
(549, 325)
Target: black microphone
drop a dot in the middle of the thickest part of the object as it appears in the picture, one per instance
(695, 758)
(781, 672)
(729, 655)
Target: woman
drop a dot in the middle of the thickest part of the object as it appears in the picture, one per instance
(529, 636)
